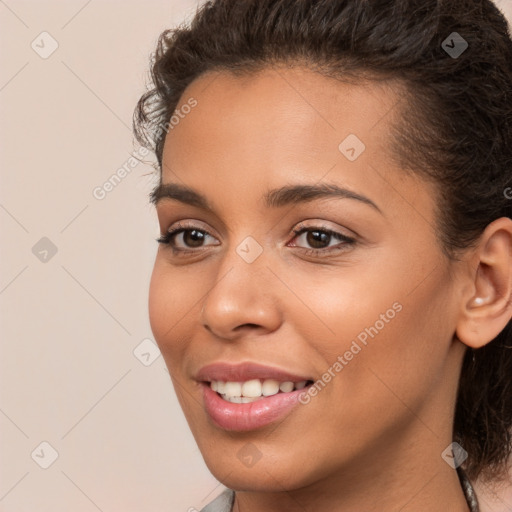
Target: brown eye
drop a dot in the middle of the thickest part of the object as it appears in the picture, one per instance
(319, 238)
(191, 238)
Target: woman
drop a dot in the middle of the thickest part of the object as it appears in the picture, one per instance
(332, 290)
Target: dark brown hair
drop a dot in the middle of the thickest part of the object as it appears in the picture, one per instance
(455, 128)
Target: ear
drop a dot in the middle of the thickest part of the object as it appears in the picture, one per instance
(486, 306)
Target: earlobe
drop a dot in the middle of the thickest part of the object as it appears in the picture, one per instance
(489, 308)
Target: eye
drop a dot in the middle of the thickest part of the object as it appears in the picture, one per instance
(320, 237)
(191, 238)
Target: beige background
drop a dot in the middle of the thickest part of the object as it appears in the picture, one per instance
(72, 323)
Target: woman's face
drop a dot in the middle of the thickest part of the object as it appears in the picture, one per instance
(372, 319)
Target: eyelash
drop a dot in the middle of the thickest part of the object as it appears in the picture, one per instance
(167, 238)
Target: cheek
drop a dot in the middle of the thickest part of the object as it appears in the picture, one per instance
(405, 341)
(169, 302)
(159, 313)
(346, 307)
(379, 334)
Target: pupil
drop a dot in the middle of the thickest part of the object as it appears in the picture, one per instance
(196, 237)
(314, 240)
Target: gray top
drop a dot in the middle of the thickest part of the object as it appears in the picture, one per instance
(224, 502)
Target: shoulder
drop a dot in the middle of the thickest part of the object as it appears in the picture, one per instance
(222, 503)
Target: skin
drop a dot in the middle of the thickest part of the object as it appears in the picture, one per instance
(372, 438)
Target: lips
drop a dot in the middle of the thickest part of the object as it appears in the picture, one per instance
(251, 413)
(248, 416)
(245, 371)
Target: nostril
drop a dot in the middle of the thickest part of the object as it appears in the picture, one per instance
(246, 325)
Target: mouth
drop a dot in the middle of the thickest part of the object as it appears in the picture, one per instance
(249, 395)
(228, 406)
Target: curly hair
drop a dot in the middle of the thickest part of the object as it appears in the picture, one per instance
(455, 129)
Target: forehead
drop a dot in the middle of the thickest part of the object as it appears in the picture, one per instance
(283, 125)
(282, 106)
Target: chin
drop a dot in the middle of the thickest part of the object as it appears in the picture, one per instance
(264, 479)
(268, 474)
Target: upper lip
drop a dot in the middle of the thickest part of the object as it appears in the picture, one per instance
(242, 372)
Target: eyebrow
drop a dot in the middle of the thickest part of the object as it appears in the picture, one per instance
(275, 198)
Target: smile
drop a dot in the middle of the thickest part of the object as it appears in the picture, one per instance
(255, 389)
(248, 395)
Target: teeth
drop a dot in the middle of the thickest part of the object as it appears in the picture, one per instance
(233, 389)
(251, 390)
(270, 387)
(239, 399)
(286, 387)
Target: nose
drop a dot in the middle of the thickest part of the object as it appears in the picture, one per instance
(243, 299)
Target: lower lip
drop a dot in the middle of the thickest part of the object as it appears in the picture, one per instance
(243, 417)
